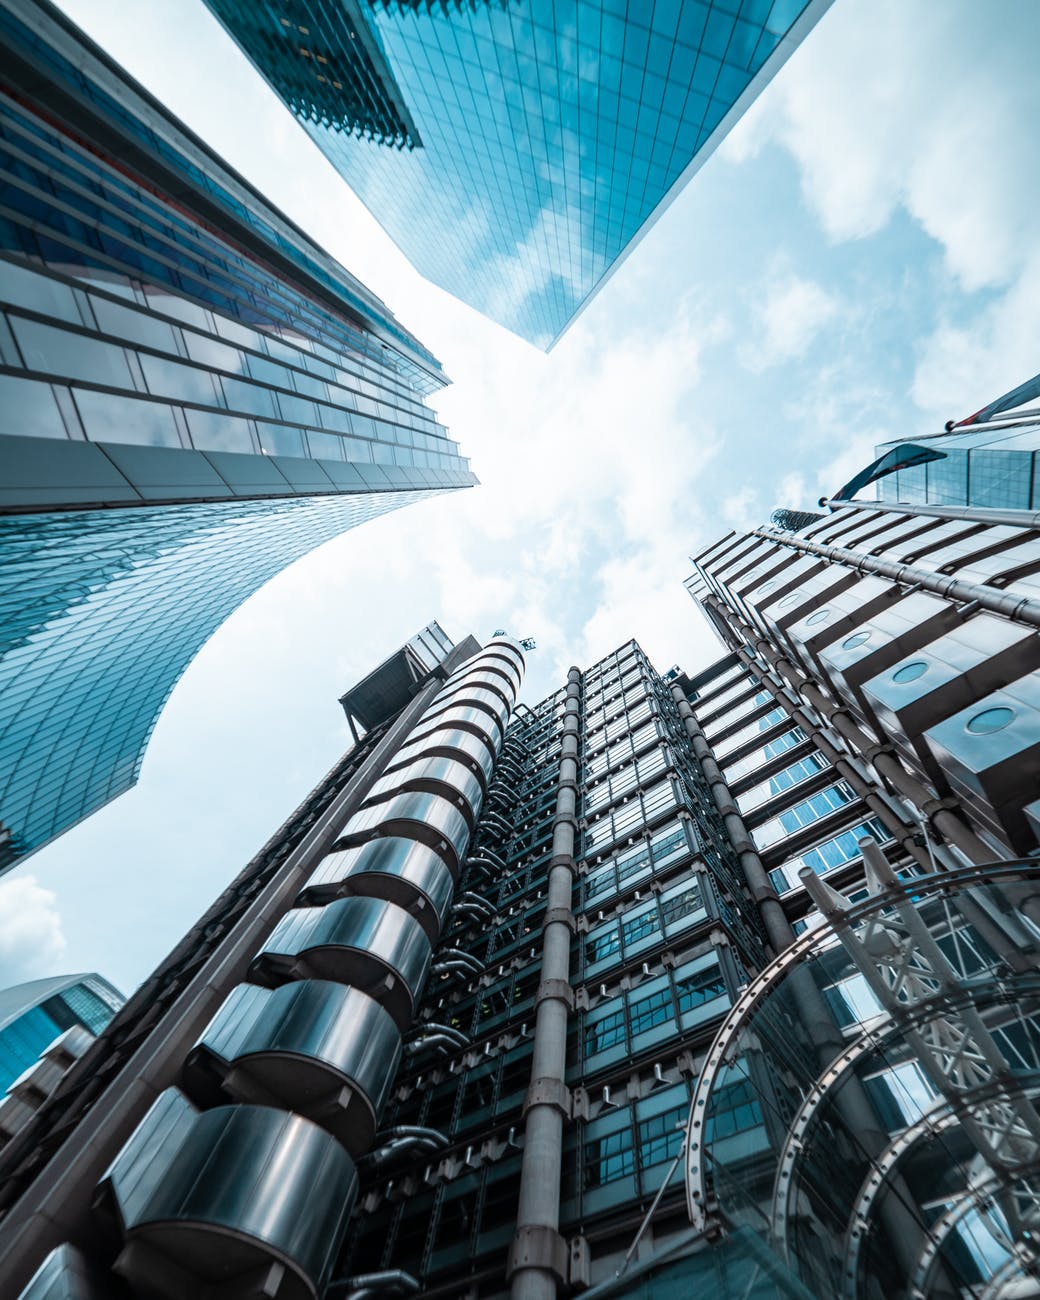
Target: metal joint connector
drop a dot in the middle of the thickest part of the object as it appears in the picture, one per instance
(548, 1092)
(538, 1248)
(559, 916)
(555, 991)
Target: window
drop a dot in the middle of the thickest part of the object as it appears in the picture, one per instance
(695, 990)
(608, 1158)
(733, 1110)
(652, 1010)
(602, 943)
(661, 1136)
(605, 1033)
(676, 905)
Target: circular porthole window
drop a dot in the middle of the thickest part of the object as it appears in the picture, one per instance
(990, 720)
(819, 617)
(767, 586)
(910, 672)
(788, 601)
(857, 639)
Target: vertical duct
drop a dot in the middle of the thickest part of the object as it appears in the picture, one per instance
(538, 1256)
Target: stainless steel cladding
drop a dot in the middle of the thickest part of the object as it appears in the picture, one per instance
(429, 818)
(463, 717)
(371, 944)
(325, 1051)
(435, 775)
(244, 1195)
(478, 697)
(66, 1275)
(483, 677)
(450, 742)
(402, 871)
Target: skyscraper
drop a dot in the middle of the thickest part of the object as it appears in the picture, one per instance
(192, 396)
(33, 1015)
(45, 1026)
(514, 150)
(768, 930)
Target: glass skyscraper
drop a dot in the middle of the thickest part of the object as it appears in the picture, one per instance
(192, 396)
(717, 983)
(514, 149)
(33, 1015)
(995, 465)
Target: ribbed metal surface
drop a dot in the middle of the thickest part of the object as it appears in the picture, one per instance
(206, 1199)
(451, 742)
(429, 818)
(402, 871)
(373, 945)
(435, 775)
(323, 1050)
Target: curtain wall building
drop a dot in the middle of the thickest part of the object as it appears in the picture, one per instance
(515, 150)
(669, 984)
(192, 396)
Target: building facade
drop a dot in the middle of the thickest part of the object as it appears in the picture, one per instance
(719, 983)
(514, 151)
(876, 732)
(192, 396)
(994, 465)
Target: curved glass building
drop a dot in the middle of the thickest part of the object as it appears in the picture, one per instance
(192, 396)
(33, 1015)
(515, 151)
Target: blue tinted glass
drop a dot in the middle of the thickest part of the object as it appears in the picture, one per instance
(513, 152)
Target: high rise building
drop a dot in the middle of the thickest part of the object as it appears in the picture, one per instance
(33, 1015)
(192, 396)
(45, 1026)
(515, 151)
(670, 984)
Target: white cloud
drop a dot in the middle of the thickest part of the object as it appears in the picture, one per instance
(962, 367)
(892, 105)
(789, 318)
(31, 940)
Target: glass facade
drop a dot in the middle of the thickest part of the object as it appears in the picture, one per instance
(524, 147)
(192, 396)
(656, 891)
(33, 1015)
(994, 468)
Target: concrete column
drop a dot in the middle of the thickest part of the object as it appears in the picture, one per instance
(538, 1256)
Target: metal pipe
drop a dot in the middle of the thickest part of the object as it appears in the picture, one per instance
(538, 1256)
(976, 514)
(449, 1031)
(394, 1279)
(491, 856)
(467, 959)
(1020, 608)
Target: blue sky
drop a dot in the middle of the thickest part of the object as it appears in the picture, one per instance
(860, 259)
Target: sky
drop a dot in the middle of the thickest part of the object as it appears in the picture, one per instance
(858, 261)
